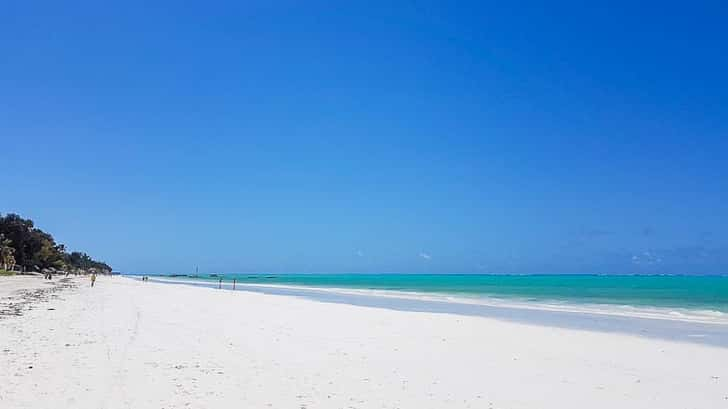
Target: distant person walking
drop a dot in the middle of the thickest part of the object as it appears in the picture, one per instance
(93, 279)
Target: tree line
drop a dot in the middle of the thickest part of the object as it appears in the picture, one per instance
(26, 246)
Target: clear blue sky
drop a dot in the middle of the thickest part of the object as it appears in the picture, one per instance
(371, 137)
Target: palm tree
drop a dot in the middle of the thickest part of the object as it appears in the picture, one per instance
(6, 253)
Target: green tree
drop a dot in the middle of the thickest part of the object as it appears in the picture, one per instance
(34, 248)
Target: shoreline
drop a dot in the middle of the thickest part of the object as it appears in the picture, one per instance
(698, 315)
(684, 329)
(127, 343)
(702, 296)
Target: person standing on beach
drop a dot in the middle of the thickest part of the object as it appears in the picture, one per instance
(93, 279)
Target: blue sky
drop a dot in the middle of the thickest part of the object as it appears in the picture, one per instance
(371, 137)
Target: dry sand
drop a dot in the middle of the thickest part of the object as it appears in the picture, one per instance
(129, 344)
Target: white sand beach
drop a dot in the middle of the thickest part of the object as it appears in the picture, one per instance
(132, 344)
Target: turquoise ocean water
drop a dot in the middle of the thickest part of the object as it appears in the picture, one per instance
(708, 293)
